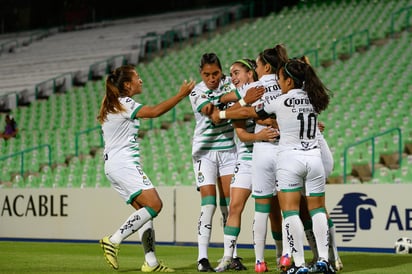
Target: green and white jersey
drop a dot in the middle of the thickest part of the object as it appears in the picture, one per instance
(245, 149)
(120, 135)
(208, 136)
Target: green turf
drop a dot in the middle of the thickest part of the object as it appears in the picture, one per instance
(34, 257)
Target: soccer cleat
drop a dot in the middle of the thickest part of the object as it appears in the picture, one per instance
(261, 267)
(296, 270)
(223, 265)
(338, 264)
(284, 262)
(204, 266)
(312, 267)
(158, 268)
(236, 264)
(325, 267)
(110, 251)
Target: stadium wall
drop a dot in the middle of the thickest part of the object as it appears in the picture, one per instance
(366, 217)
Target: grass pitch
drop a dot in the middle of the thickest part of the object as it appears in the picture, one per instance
(53, 257)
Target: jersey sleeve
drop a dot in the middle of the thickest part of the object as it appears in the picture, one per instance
(198, 99)
(132, 107)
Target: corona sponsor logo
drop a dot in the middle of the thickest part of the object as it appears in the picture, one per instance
(293, 102)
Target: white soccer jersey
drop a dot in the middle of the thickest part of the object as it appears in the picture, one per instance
(272, 91)
(120, 135)
(208, 136)
(297, 120)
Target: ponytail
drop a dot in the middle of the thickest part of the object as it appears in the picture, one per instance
(276, 57)
(305, 77)
(115, 89)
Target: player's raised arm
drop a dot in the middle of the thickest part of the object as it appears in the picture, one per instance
(165, 106)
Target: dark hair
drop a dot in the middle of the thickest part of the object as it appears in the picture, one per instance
(305, 77)
(276, 57)
(249, 65)
(115, 89)
(209, 59)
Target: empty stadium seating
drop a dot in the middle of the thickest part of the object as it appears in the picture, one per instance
(88, 52)
(372, 93)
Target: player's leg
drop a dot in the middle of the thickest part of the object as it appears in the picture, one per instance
(148, 239)
(275, 217)
(238, 200)
(205, 169)
(290, 173)
(136, 189)
(315, 197)
(263, 189)
(260, 220)
(292, 225)
(334, 257)
(207, 210)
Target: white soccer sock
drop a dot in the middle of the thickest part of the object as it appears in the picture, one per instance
(285, 242)
(229, 243)
(321, 231)
(205, 229)
(260, 224)
(132, 224)
(293, 228)
(333, 249)
(147, 237)
(310, 237)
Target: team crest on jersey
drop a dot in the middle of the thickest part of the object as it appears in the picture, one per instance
(200, 177)
(226, 87)
(146, 180)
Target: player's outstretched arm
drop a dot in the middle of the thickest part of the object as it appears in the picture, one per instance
(165, 106)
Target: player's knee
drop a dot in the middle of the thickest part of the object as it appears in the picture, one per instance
(157, 206)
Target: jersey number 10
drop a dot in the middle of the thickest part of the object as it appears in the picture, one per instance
(309, 125)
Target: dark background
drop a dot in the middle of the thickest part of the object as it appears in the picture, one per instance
(20, 15)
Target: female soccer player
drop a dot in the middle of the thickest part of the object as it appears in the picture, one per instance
(119, 116)
(264, 163)
(213, 150)
(300, 164)
(243, 76)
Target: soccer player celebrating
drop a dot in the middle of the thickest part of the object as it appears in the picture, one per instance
(299, 164)
(119, 116)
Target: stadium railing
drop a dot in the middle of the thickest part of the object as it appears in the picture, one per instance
(395, 26)
(372, 140)
(25, 151)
